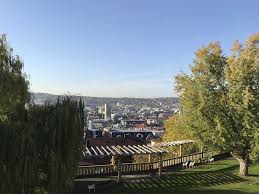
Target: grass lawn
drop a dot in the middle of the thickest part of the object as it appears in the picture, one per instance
(218, 178)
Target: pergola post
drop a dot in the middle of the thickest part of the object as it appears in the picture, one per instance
(113, 161)
(149, 158)
(160, 165)
(150, 166)
(118, 170)
(180, 152)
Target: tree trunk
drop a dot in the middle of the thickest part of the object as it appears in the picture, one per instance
(243, 167)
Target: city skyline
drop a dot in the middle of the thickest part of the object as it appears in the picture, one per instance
(118, 48)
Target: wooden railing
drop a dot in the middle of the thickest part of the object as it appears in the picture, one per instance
(138, 167)
(127, 168)
(95, 170)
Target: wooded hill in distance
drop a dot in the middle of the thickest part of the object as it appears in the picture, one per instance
(40, 98)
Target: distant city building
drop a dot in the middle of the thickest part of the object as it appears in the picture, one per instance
(98, 123)
(131, 123)
(144, 134)
(107, 111)
(94, 133)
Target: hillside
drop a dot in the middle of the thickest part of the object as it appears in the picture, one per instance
(40, 98)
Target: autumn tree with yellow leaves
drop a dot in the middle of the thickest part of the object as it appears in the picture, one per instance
(219, 99)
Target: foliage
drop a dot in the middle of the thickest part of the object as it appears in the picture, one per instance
(13, 82)
(13, 97)
(60, 132)
(176, 129)
(220, 98)
(40, 146)
(43, 153)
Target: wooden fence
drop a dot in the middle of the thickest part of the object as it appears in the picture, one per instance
(128, 168)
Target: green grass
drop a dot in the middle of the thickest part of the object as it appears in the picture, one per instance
(218, 178)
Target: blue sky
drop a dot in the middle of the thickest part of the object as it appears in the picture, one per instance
(118, 48)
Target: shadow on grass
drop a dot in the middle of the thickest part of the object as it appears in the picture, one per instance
(185, 181)
(209, 192)
(254, 175)
(190, 181)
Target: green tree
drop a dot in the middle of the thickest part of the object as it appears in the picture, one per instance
(40, 146)
(13, 97)
(176, 129)
(59, 132)
(13, 82)
(220, 98)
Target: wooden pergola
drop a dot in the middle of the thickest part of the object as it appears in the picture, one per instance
(174, 143)
(118, 151)
(129, 150)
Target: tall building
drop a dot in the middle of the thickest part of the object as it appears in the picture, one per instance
(107, 111)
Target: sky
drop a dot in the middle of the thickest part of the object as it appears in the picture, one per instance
(119, 48)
